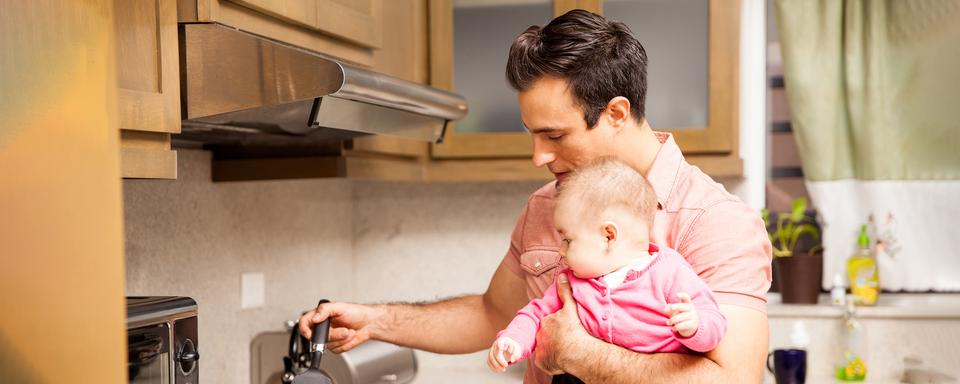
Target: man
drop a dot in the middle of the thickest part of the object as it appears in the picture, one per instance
(581, 83)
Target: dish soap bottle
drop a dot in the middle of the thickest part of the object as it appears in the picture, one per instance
(862, 271)
(852, 364)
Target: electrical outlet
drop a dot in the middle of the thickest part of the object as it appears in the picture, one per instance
(252, 290)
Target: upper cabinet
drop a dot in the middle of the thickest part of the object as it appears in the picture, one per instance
(347, 29)
(693, 92)
(149, 86)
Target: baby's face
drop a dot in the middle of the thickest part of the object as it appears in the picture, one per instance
(584, 246)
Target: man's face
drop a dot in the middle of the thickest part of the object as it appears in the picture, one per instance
(561, 140)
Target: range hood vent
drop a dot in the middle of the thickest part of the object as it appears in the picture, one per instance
(244, 90)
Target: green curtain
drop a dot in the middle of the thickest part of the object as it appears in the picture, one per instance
(873, 87)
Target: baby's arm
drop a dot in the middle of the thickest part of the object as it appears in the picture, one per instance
(695, 315)
(522, 330)
(504, 352)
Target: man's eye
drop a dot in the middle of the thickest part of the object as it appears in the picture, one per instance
(555, 137)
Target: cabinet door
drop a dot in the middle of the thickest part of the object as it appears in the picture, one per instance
(716, 136)
(403, 55)
(350, 30)
(693, 71)
(352, 20)
(149, 86)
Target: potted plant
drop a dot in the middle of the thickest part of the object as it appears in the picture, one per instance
(797, 253)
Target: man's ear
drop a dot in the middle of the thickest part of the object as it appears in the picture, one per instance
(618, 112)
(611, 232)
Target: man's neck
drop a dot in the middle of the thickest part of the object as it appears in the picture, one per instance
(639, 147)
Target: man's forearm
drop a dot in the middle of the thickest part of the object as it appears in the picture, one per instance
(608, 363)
(456, 325)
(738, 359)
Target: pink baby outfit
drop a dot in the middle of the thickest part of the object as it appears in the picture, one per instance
(632, 314)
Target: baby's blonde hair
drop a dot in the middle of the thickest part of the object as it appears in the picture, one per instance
(609, 183)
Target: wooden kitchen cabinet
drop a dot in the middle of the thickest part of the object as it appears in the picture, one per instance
(149, 86)
(346, 29)
(496, 155)
(350, 30)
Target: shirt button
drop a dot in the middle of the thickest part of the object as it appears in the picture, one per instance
(537, 265)
(606, 315)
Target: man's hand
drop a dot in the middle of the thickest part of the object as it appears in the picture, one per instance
(560, 333)
(683, 316)
(350, 324)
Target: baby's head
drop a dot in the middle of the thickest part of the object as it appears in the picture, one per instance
(604, 212)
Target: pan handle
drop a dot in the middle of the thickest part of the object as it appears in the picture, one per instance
(318, 343)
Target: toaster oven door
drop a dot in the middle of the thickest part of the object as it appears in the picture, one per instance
(148, 354)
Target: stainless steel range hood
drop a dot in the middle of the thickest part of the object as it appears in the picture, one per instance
(243, 90)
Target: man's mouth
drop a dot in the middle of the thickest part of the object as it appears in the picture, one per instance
(560, 175)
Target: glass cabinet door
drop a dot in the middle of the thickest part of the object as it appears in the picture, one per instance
(677, 61)
(482, 34)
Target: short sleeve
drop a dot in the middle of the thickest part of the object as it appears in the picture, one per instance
(728, 247)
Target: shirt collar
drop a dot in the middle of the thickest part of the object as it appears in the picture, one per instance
(663, 171)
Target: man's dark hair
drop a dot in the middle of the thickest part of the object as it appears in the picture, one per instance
(600, 59)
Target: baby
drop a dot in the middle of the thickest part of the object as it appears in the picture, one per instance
(629, 292)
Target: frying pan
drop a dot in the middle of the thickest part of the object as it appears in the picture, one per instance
(314, 375)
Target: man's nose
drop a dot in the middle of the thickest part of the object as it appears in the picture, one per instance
(542, 153)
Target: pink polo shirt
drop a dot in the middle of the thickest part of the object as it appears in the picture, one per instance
(722, 238)
(631, 314)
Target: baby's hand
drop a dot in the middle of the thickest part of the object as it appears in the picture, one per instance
(503, 352)
(683, 316)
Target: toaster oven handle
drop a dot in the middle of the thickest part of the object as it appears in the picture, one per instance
(189, 357)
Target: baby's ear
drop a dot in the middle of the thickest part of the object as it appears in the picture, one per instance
(611, 232)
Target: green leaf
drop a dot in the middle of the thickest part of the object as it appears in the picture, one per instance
(806, 228)
(765, 214)
(799, 231)
(798, 210)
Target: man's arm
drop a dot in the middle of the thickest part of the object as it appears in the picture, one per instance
(563, 345)
(458, 325)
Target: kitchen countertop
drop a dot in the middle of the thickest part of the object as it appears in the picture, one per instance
(889, 305)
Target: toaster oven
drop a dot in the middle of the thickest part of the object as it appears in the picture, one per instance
(162, 343)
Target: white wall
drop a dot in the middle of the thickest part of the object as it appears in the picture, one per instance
(753, 106)
(191, 237)
(353, 241)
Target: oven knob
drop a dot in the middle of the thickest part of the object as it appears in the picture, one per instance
(187, 357)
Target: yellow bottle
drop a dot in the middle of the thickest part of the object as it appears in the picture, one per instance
(862, 272)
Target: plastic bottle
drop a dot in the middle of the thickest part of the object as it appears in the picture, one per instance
(799, 338)
(852, 364)
(862, 271)
(838, 293)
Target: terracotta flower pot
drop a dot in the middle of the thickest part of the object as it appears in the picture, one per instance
(799, 277)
